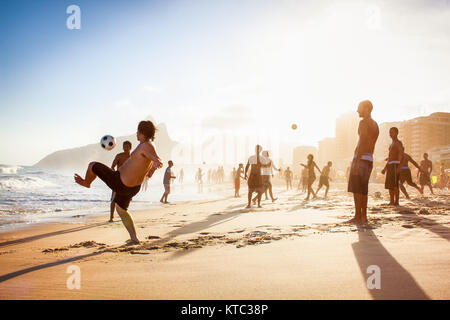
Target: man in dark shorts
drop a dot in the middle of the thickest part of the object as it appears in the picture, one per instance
(166, 181)
(325, 178)
(392, 168)
(424, 175)
(119, 160)
(361, 168)
(126, 182)
(405, 174)
(255, 182)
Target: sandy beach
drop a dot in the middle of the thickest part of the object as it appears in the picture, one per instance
(216, 249)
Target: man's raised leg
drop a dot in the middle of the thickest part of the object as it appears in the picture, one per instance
(128, 223)
(89, 177)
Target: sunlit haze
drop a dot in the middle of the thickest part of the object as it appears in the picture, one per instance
(245, 68)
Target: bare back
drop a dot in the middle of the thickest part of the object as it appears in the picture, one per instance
(368, 134)
(133, 171)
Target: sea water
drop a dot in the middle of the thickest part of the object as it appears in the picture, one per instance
(31, 195)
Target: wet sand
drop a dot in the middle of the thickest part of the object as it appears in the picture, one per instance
(290, 249)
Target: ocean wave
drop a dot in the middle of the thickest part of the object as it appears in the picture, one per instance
(23, 182)
(9, 169)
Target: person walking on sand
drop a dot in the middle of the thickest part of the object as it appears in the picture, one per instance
(424, 175)
(362, 164)
(168, 176)
(288, 178)
(267, 173)
(310, 165)
(325, 178)
(126, 182)
(405, 174)
(255, 183)
(392, 168)
(199, 179)
(237, 176)
(118, 161)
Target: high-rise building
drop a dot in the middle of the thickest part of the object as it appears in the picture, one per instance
(327, 151)
(418, 135)
(346, 135)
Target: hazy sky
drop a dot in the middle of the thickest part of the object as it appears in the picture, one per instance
(214, 66)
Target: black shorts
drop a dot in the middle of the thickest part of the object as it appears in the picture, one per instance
(405, 176)
(255, 181)
(123, 194)
(359, 183)
(392, 176)
(324, 181)
(424, 179)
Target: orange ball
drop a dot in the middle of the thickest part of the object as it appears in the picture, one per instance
(294, 126)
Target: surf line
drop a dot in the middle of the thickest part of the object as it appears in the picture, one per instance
(198, 310)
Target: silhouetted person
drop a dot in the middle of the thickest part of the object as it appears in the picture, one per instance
(288, 178)
(405, 174)
(424, 175)
(325, 178)
(361, 168)
(168, 176)
(237, 175)
(310, 165)
(255, 183)
(392, 168)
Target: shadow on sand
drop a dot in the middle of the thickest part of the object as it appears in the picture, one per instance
(50, 234)
(396, 282)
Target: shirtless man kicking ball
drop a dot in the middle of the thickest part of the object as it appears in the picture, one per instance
(126, 182)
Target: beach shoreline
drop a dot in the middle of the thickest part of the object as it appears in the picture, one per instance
(217, 249)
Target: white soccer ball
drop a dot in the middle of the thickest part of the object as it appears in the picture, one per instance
(108, 142)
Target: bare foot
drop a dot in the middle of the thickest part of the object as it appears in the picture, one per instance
(132, 242)
(110, 220)
(248, 207)
(259, 206)
(81, 181)
(274, 199)
(354, 220)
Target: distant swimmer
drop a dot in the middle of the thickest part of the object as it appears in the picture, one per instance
(267, 173)
(424, 175)
(168, 176)
(310, 165)
(288, 178)
(126, 182)
(325, 178)
(199, 179)
(119, 160)
(405, 174)
(362, 164)
(237, 176)
(255, 181)
(392, 168)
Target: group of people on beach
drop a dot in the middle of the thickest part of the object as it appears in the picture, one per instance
(134, 167)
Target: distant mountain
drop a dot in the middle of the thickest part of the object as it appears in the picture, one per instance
(78, 158)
